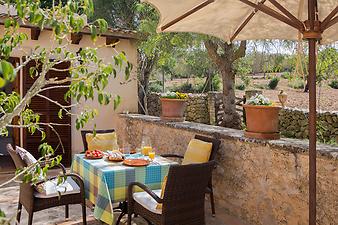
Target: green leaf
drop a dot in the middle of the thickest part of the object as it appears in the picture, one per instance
(94, 130)
(2, 82)
(32, 71)
(2, 214)
(8, 22)
(100, 98)
(43, 135)
(117, 102)
(60, 114)
(93, 32)
(7, 70)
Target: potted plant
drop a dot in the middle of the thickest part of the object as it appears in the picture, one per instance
(262, 118)
(173, 106)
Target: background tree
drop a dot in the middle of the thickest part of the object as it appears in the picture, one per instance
(224, 55)
(154, 50)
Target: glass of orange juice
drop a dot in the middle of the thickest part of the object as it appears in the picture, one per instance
(146, 149)
(152, 155)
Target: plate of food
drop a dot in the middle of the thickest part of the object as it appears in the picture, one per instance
(136, 162)
(115, 156)
(95, 154)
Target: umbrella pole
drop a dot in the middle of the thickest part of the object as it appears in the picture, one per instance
(312, 131)
(312, 38)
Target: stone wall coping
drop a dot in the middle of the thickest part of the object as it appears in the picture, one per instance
(306, 111)
(288, 144)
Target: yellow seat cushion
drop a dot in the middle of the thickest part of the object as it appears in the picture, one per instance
(197, 152)
(159, 205)
(102, 142)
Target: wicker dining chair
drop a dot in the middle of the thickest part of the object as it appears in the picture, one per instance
(215, 147)
(34, 201)
(85, 132)
(183, 197)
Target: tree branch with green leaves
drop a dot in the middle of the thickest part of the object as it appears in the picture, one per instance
(88, 73)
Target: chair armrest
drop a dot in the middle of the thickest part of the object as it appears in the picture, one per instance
(146, 189)
(172, 156)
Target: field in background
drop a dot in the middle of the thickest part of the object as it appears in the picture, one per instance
(327, 96)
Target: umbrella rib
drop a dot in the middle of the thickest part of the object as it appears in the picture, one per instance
(246, 21)
(327, 20)
(330, 23)
(286, 12)
(188, 13)
(273, 14)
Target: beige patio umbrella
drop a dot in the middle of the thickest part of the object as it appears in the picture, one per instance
(231, 20)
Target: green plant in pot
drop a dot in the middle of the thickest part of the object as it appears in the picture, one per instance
(173, 106)
(261, 118)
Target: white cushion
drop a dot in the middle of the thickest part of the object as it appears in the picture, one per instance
(25, 155)
(144, 199)
(50, 188)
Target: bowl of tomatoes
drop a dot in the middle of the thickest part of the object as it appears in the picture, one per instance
(94, 154)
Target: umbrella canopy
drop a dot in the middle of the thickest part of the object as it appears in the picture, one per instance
(232, 20)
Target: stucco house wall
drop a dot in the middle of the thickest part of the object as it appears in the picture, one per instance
(127, 91)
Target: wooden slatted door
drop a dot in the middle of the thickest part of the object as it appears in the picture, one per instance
(13, 138)
(48, 112)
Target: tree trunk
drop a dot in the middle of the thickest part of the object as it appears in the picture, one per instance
(230, 117)
(146, 65)
(224, 64)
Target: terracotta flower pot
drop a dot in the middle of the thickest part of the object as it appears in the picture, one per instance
(262, 121)
(173, 109)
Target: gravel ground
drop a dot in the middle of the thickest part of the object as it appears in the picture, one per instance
(327, 97)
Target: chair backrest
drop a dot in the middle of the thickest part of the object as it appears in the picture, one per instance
(183, 200)
(215, 145)
(84, 132)
(19, 163)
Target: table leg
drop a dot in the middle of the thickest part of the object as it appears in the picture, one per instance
(123, 206)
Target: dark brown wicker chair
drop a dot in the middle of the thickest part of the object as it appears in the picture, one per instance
(84, 132)
(215, 146)
(33, 202)
(183, 199)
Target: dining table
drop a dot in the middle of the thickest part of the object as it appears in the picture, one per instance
(106, 182)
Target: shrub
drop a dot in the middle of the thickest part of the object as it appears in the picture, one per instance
(246, 79)
(334, 84)
(286, 75)
(155, 87)
(198, 87)
(273, 83)
(296, 83)
(240, 87)
(216, 83)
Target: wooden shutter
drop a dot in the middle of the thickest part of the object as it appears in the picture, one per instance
(49, 113)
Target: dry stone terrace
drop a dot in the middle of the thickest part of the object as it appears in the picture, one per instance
(261, 182)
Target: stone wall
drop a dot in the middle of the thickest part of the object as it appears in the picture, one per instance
(154, 104)
(207, 109)
(261, 182)
(294, 124)
(197, 107)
